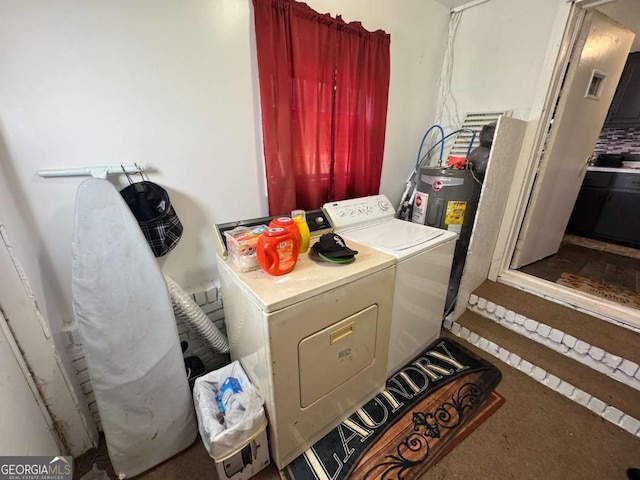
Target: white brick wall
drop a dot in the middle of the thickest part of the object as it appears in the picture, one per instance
(209, 299)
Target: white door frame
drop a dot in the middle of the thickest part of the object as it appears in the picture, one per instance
(15, 350)
(519, 196)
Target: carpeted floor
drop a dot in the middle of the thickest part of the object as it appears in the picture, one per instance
(613, 339)
(537, 434)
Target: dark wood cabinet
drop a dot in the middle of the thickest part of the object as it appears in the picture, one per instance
(625, 107)
(619, 219)
(586, 210)
(608, 208)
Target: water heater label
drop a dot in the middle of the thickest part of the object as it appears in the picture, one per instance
(455, 213)
(419, 214)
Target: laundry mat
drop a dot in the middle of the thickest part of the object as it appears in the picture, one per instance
(603, 290)
(426, 409)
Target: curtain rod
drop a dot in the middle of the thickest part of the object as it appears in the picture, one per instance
(97, 171)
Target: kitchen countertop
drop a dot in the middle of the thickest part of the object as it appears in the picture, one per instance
(614, 169)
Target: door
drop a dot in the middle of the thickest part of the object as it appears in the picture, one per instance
(594, 70)
(25, 431)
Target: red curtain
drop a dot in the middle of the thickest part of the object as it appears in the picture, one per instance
(324, 87)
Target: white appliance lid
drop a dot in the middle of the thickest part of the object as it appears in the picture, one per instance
(398, 237)
(404, 235)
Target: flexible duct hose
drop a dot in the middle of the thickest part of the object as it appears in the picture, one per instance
(192, 315)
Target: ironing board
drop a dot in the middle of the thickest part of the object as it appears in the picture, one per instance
(129, 334)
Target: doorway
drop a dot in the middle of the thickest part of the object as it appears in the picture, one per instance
(602, 269)
(538, 256)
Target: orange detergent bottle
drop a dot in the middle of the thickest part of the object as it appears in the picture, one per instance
(277, 251)
(287, 224)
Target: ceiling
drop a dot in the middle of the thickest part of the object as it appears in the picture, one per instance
(627, 14)
(454, 3)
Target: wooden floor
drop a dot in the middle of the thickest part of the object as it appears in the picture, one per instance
(600, 266)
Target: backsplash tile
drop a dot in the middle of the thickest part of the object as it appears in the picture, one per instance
(618, 140)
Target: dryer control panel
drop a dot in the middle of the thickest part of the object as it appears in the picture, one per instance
(357, 212)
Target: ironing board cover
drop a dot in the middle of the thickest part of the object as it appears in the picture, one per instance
(129, 334)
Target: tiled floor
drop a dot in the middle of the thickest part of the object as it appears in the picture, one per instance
(601, 266)
(602, 245)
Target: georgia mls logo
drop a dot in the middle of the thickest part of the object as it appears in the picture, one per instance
(61, 461)
(36, 468)
(437, 185)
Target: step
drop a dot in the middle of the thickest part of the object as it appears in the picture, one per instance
(612, 400)
(598, 344)
(583, 357)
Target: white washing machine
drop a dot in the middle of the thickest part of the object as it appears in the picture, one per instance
(314, 341)
(424, 256)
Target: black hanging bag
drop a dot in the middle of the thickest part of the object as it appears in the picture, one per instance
(151, 206)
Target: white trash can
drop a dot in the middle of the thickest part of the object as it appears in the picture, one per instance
(233, 424)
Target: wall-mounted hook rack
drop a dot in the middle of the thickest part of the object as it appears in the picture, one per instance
(97, 172)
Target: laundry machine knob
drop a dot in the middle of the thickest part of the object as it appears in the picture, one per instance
(384, 206)
(319, 221)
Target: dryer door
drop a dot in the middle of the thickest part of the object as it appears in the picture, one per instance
(336, 353)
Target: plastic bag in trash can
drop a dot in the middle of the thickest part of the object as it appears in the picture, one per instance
(244, 416)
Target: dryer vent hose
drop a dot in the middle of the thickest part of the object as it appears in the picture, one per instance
(192, 315)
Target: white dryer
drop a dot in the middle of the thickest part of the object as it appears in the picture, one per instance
(313, 341)
(424, 256)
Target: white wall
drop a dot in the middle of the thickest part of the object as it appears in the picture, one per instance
(172, 86)
(505, 52)
(27, 299)
(501, 50)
